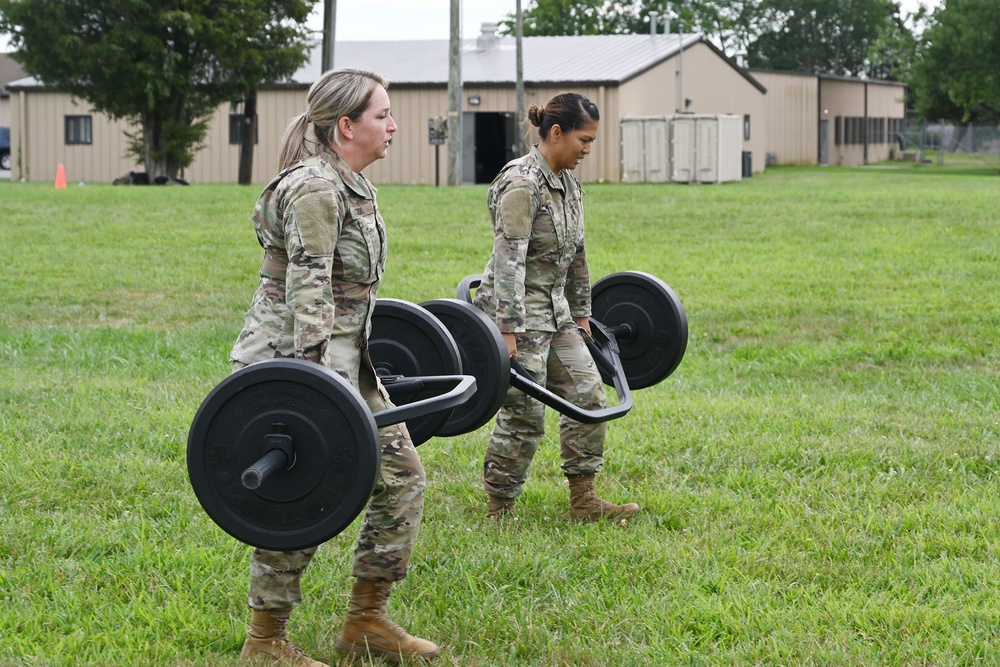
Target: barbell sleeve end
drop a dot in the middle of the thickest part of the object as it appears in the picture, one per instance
(276, 460)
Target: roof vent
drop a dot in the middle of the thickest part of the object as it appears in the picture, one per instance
(488, 39)
(653, 16)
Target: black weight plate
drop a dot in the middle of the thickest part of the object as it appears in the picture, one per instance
(336, 454)
(656, 345)
(484, 356)
(408, 341)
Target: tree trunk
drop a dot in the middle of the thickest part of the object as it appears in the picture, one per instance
(153, 148)
(248, 136)
(957, 137)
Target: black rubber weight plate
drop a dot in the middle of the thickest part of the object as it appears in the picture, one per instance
(657, 343)
(484, 356)
(408, 341)
(336, 454)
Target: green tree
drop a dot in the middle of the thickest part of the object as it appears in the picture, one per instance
(894, 50)
(722, 20)
(162, 65)
(821, 36)
(561, 17)
(956, 77)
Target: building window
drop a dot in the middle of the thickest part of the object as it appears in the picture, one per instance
(858, 134)
(79, 130)
(236, 130)
(236, 120)
(838, 130)
(746, 127)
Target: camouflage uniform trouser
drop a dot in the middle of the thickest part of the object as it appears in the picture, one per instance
(561, 362)
(388, 532)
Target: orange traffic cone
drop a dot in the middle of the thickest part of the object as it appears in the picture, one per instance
(60, 177)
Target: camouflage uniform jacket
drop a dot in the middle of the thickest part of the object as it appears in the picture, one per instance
(324, 254)
(537, 277)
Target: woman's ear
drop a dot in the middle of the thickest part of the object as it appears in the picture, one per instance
(555, 132)
(344, 125)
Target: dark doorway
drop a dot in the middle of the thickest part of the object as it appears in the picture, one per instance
(493, 137)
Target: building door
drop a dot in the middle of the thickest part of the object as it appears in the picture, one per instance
(824, 142)
(487, 144)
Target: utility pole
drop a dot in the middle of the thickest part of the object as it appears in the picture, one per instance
(329, 32)
(680, 68)
(519, 85)
(455, 96)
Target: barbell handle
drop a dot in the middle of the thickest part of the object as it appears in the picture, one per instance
(465, 287)
(463, 389)
(523, 380)
(601, 358)
(606, 356)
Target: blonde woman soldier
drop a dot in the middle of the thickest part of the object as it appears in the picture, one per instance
(324, 254)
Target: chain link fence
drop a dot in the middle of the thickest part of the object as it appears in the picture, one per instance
(949, 144)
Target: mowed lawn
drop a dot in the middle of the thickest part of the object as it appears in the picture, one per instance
(818, 478)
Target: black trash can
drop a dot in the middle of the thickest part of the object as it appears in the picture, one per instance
(747, 164)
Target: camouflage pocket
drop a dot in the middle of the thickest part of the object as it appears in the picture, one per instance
(359, 243)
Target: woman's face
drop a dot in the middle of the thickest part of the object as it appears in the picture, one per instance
(372, 133)
(572, 147)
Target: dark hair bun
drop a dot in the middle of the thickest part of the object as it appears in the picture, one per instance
(535, 115)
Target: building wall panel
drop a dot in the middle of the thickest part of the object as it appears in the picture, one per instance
(791, 104)
(871, 105)
(711, 85)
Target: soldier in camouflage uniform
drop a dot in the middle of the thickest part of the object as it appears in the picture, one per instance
(324, 254)
(536, 287)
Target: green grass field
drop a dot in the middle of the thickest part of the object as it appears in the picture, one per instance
(818, 478)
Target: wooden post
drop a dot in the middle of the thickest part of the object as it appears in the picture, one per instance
(519, 85)
(329, 32)
(455, 96)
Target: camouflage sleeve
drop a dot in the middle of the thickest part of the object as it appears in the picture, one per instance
(515, 213)
(312, 225)
(578, 284)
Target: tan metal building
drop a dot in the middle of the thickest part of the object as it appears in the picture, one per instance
(626, 75)
(831, 120)
(10, 70)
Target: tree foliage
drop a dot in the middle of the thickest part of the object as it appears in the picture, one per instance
(957, 77)
(823, 36)
(563, 17)
(817, 36)
(604, 17)
(163, 65)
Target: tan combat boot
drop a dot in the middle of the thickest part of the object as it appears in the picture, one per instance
(268, 642)
(498, 507)
(585, 505)
(367, 629)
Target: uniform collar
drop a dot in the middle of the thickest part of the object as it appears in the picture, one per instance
(356, 183)
(565, 182)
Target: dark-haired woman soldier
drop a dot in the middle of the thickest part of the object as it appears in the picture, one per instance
(536, 287)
